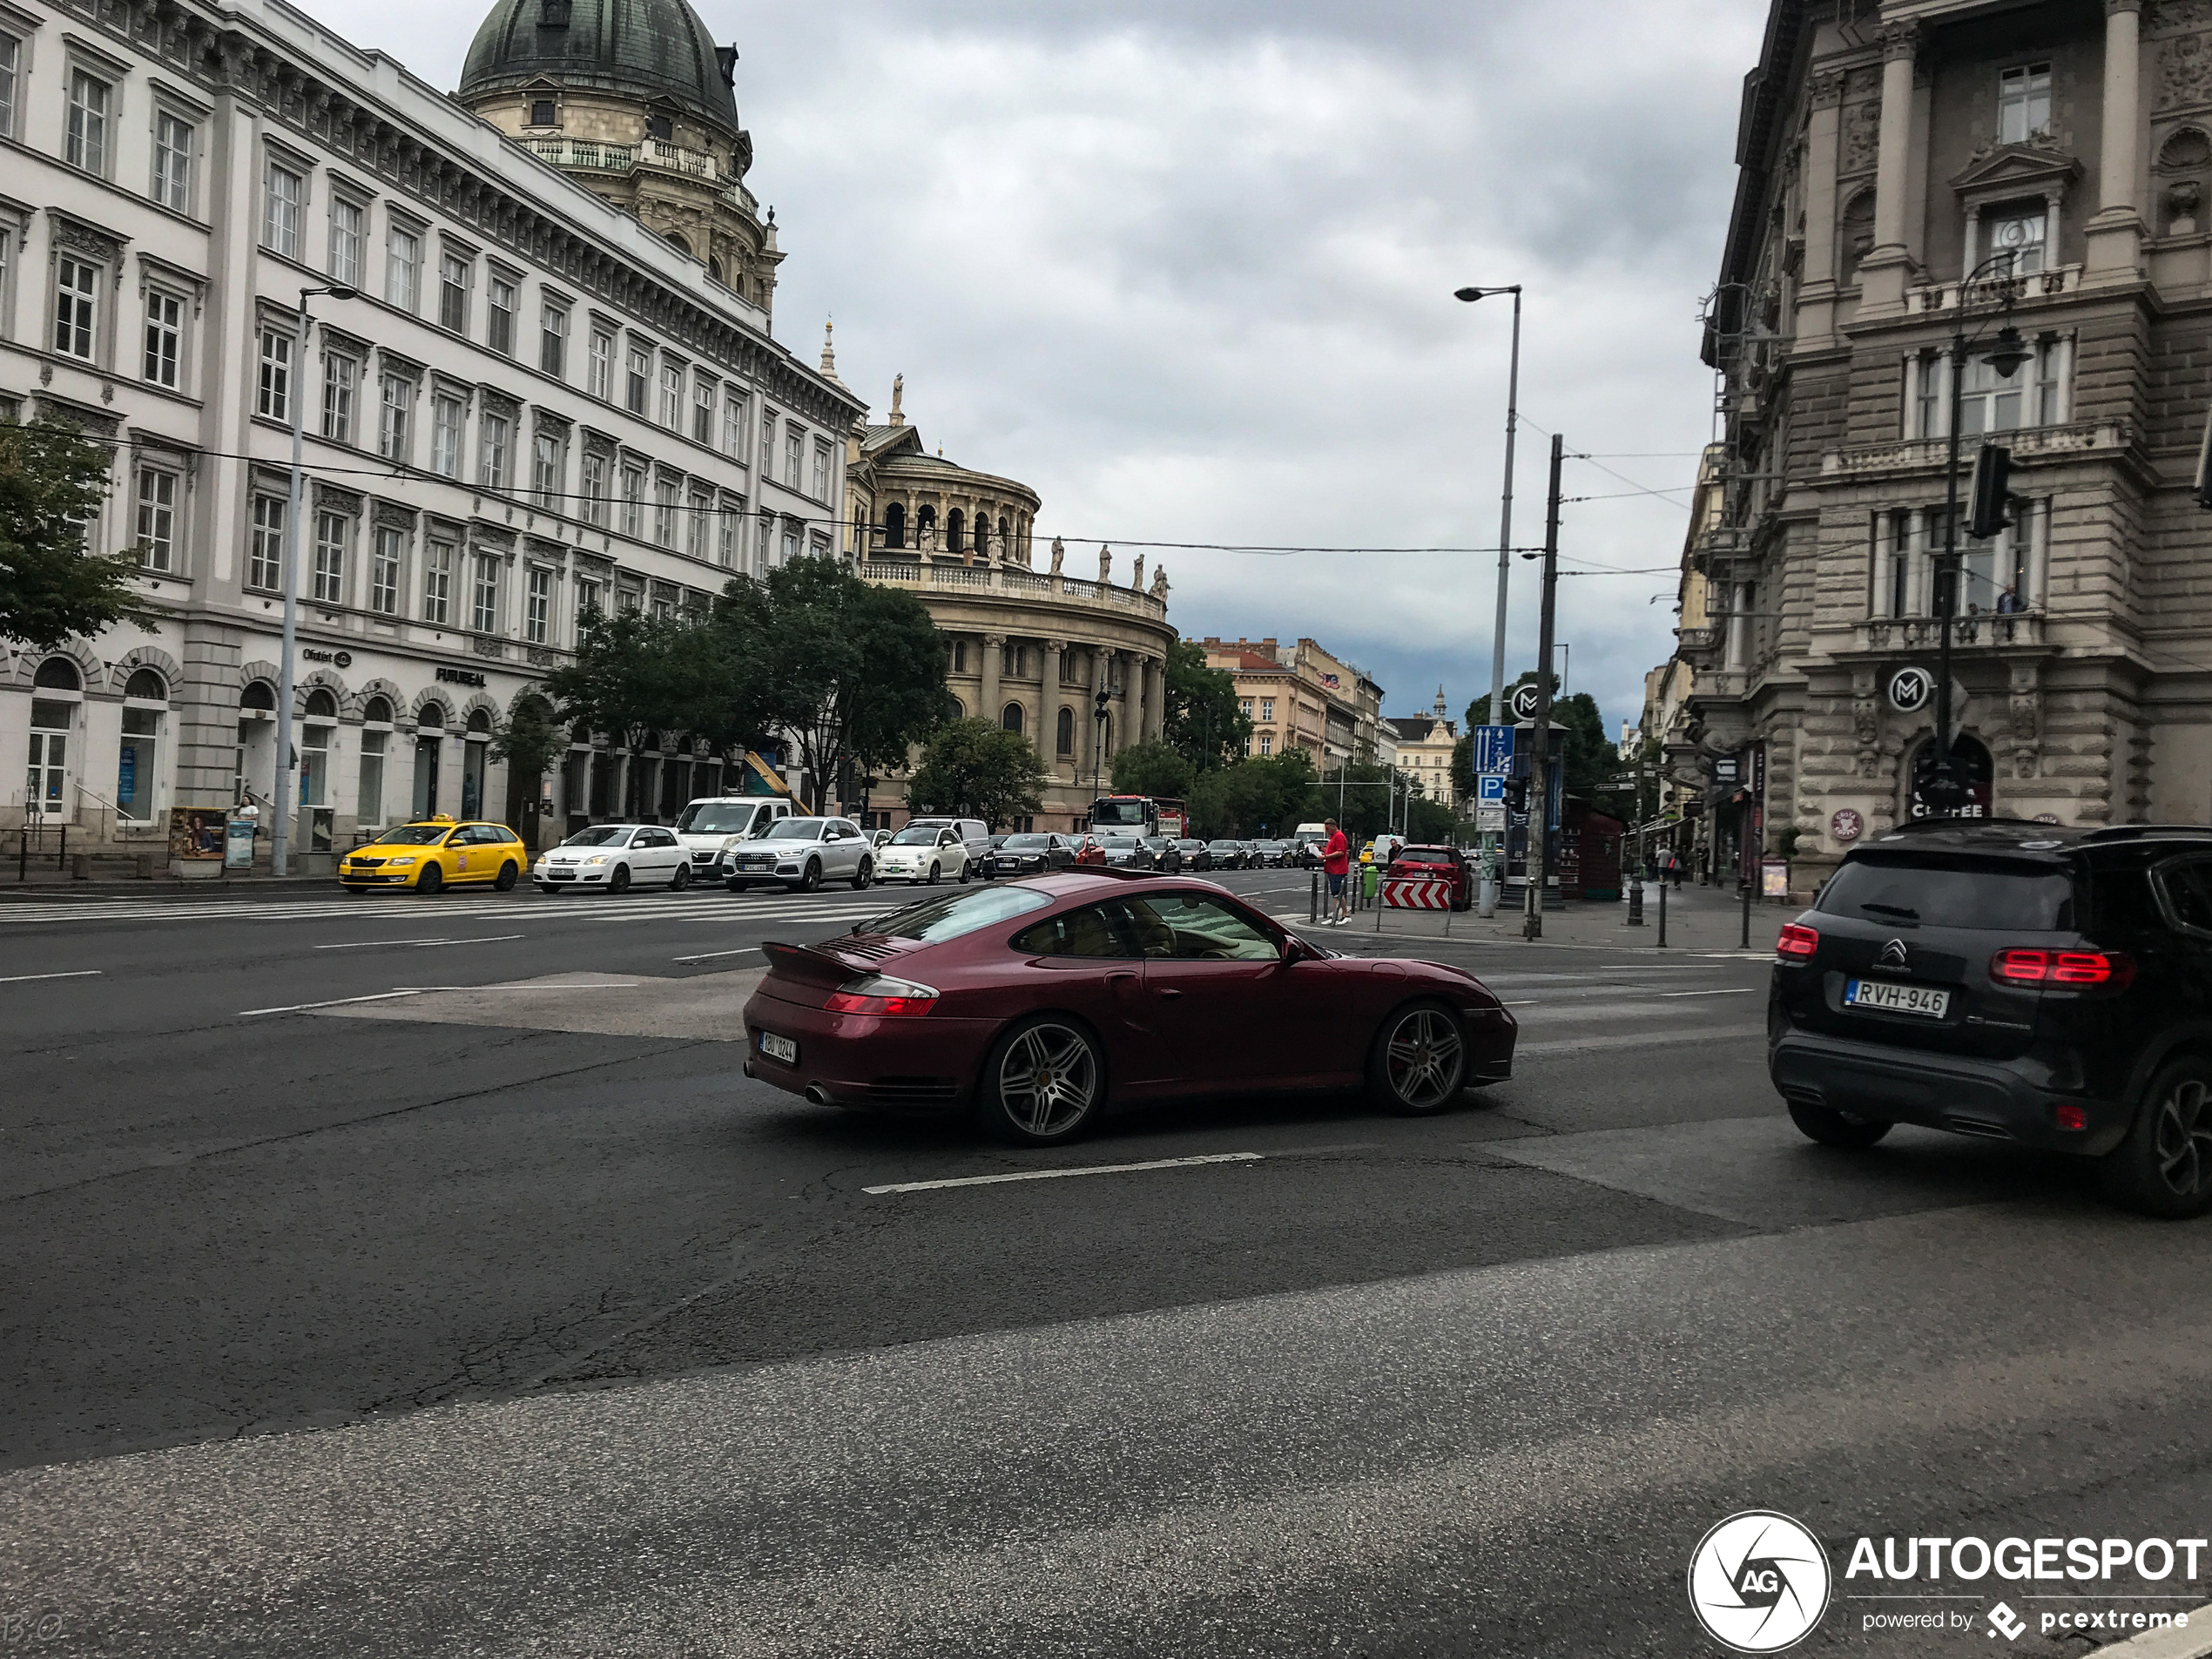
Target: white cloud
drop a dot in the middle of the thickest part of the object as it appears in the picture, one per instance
(1188, 272)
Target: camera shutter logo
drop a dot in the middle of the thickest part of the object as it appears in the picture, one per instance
(1758, 1581)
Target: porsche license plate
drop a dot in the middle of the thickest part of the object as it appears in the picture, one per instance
(1893, 998)
(778, 1048)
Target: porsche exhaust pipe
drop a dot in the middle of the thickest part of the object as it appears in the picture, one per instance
(816, 1093)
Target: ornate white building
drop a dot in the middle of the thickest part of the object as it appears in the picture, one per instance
(533, 404)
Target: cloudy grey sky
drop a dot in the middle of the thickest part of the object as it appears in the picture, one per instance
(1186, 269)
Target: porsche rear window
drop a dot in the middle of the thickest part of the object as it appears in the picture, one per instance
(934, 921)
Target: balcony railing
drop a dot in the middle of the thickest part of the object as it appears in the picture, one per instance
(2028, 443)
(597, 155)
(1979, 631)
(945, 576)
(1944, 296)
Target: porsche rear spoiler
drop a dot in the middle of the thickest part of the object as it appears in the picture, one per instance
(809, 964)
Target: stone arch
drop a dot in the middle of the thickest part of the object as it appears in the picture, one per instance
(1966, 743)
(924, 524)
(531, 694)
(982, 536)
(479, 703)
(358, 709)
(152, 657)
(428, 698)
(91, 671)
(952, 531)
(322, 679)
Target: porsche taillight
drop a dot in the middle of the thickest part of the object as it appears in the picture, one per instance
(879, 994)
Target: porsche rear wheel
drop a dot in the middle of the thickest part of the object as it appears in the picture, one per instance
(1043, 1082)
(1420, 1063)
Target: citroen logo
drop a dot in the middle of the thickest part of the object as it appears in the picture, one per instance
(1892, 954)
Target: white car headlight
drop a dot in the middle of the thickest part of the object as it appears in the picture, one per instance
(596, 857)
(408, 860)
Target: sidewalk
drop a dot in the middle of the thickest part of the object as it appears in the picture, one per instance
(1698, 920)
(113, 876)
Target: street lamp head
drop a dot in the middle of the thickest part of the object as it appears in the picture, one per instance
(339, 291)
(2007, 353)
(1472, 294)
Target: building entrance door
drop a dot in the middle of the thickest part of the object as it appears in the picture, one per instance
(426, 774)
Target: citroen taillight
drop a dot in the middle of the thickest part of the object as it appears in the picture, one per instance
(1797, 943)
(2062, 970)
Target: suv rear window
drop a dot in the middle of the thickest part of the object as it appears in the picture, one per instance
(1992, 895)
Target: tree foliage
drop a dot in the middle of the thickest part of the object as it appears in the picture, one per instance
(975, 769)
(529, 740)
(1153, 769)
(52, 481)
(1589, 759)
(1201, 720)
(635, 673)
(1271, 794)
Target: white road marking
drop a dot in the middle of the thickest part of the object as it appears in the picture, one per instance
(372, 944)
(1054, 1174)
(709, 955)
(301, 1007)
(413, 990)
(82, 973)
(1738, 990)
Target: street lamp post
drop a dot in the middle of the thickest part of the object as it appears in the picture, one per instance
(287, 804)
(1491, 859)
(2007, 353)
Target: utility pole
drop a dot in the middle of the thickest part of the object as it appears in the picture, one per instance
(1538, 858)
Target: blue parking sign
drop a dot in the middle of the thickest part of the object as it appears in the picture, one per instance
(1493, 751)
(1490, 789)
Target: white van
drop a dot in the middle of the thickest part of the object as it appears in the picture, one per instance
(1306, 842)
(709, 827)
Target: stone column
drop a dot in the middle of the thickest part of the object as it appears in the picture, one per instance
(1815, 297)
(1154, 700)
(1882, 273)
(994, 649)
(1132, 703)
(1048, 707)
(2115, 236)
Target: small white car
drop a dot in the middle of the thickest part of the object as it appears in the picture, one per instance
(802, 853)
(613, 857)
(925, 854)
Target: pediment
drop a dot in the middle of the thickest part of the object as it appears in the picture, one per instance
(2029, 168)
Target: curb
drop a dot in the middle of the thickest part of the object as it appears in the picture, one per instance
(2175, 1642)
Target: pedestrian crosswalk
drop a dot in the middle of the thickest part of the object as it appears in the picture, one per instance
(451, 908)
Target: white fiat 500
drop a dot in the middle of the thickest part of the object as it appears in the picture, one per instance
(925, 854)
(613, 857)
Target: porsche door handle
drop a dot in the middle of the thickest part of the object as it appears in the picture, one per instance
(1168, 996)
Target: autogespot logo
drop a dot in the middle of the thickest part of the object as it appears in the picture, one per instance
(1758, 1581)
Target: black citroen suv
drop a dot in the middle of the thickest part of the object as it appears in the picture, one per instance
(2015, 980)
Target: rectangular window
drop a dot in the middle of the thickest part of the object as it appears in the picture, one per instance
(791, 542)
(702, 409)
(1927, 397)
(394, 418)
(346, 218)
(370, 811)
(733, 425)
(135, 765)
(499, 307)
(633, 500)
(76, 288)
(1989, 402)
(537, 619)
(794, 446)
(438, 583)
(671, 397)
(330, 558)
(453, 293)
(767, 445)
(601, 373)
(492, 470)
(157, 518)
(640, 378)
(2024, 104)
(164, 337)
(595, 490)
(173, 142)
(274, 393)
(698, 508)
(89, 100)
(285, 189)
(664, 511)
(265, 556)
(1267, 708)
(822, 473)
(483, 612)
(726, 537)
(341, 375)
(402, 268)
(2019, 231)
(545, 468)
(553, 342)
(10, 68)
(587, 600)
(449, 416)
(384, 570)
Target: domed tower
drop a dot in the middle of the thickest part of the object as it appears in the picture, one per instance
(633, 99)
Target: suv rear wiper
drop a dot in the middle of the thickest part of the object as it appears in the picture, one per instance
(1891, 910)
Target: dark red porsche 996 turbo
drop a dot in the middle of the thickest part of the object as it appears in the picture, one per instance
(1035, 1005)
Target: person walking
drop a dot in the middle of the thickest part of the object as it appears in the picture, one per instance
(1336, 864)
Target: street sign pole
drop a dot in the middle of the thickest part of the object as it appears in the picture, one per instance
(1539, 814)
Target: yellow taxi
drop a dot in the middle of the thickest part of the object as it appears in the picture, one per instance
(433, 852)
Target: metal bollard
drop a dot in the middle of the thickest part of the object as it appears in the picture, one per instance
(1662, 915)
(1313, 899)
(1636, 902)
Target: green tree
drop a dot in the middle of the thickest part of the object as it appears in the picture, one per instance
(634, 673)
(1153, 769)
(530, 741)
(1201, 720)
(53, 480)
(976, 770)
(1272, 793)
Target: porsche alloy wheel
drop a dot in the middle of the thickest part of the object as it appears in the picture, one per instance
(1042, 1083)
(1420, 1063)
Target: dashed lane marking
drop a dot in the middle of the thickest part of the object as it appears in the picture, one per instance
(1055, 1174)
(81, 972)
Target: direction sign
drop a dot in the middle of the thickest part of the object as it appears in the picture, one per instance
(1493, 749)
(1490, 789)
(1523, 701)
(1910, 690)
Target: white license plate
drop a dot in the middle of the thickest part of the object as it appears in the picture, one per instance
(778, 1048)
(1893, 998)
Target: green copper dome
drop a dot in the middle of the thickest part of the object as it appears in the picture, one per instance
(641, 49)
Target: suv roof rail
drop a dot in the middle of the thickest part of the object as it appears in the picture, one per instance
(1924, 825)
(2139, 832)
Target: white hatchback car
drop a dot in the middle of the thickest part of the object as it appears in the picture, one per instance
(613, 857)
(925, 854)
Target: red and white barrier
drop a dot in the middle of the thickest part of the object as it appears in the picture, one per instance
(1416, 892)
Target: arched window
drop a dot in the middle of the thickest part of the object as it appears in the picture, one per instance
(1010, 718)
(959, 657)
(57, 674)
(377, 712)
(679, 243)
(894, 524)
(714, 269)
(1064, 739)
(1975, 771)
(925, 522)
(321, 706)
(982, 536)
(433, 718)
(259, 695)
(480, 724)
(147, 687)
(952, 530)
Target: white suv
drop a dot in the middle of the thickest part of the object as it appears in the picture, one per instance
(800, 854)
(708, 828)
(925, 853)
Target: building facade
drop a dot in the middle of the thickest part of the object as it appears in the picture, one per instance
(1887, 154)
(1302, 696)
(530, 405)
(1028, 651)
(1425, 743)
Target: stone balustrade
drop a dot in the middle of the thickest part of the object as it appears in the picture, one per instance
(945, 576)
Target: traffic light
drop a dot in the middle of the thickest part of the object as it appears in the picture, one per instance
(1992, 475)
(1517, 794)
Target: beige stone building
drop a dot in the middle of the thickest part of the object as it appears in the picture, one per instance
(1028, 648)
(1425, 745)
(1301, 697)
(1887, 152)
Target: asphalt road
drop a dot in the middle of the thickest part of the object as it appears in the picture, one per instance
(626, 1358)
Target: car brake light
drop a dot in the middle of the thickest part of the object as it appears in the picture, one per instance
(2072, 1117)
(880, 993)
(2071, 970)
(1798, 942)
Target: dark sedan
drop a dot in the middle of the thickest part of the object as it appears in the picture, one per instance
(1036, 853)
(1125, 850)
(1167, 855)
(1227, 855)
(1036, 1005)
(1271, 853)
(1197, 856)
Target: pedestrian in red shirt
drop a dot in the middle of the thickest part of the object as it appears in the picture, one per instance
(1336, 864)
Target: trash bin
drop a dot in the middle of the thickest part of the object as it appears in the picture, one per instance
(1370, 879)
